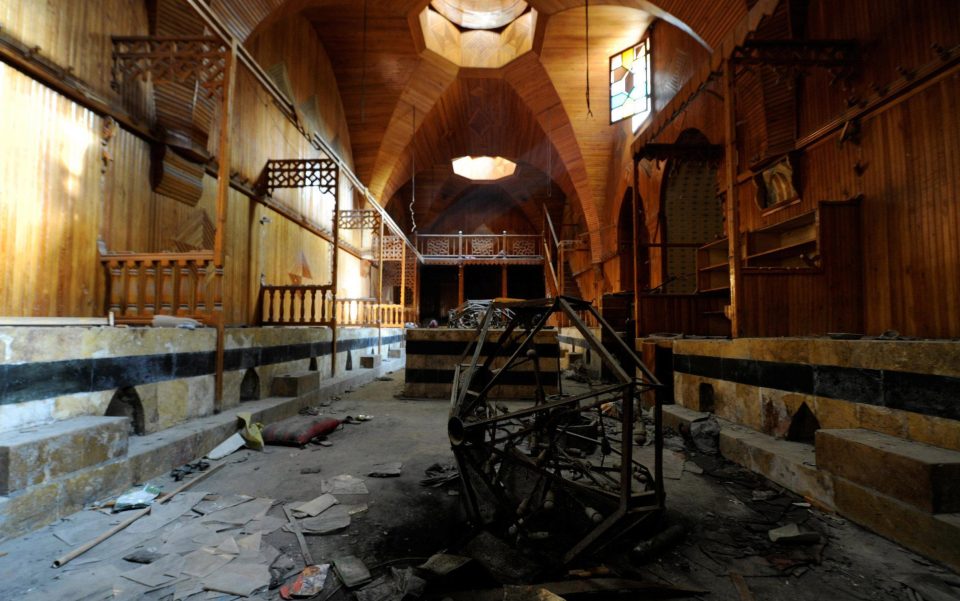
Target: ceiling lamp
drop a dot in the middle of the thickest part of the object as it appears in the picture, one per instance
(483, 168)
(480, 14)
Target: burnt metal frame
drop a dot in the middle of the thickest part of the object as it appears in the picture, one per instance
(470, 432)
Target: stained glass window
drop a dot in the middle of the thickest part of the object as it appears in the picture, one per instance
(630, 84)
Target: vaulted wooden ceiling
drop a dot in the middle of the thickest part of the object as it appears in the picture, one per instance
(532, 111)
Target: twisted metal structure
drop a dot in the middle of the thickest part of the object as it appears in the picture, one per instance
(539, 472)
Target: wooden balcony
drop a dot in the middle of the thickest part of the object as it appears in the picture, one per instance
(141, 286)
(480, 249)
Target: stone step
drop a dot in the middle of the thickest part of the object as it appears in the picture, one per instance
(790, 464)
(679, 418)
(151, 455)
(298, 384)
(370, 361)
(934, 535)
(50, 451)
(921, 475)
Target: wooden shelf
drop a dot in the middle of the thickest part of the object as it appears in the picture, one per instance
(713, 267)
(791, 243)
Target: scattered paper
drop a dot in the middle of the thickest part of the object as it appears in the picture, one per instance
(344, 484)
(314, 507)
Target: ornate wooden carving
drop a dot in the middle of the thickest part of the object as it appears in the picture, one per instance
(392, 248)
(789, 57)
(300, 173)
(171, 60)
(365, 219)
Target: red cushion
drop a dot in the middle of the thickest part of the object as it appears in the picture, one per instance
(298, 431)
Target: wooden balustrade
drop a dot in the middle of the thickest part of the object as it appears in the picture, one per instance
(357, 312)
(391, 316)
(141, 286)
(297, 305)
(480, 246)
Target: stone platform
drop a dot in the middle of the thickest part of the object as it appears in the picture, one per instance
(124, 462)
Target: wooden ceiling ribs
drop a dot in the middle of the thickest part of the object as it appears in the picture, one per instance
(394, 73)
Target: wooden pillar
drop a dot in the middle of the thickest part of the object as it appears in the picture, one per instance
(403, 274)
(460, 284)
(336, 262)
(735, 310)
(223, 191)
(380, 293)
(503, 281)
(636, 248)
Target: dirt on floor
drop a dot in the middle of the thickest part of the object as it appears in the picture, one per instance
(723, 548)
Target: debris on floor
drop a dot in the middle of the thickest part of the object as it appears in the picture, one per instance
(299, 430)
(440, 474)
(386, 470)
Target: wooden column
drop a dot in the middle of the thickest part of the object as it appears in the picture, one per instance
(380, 293)
(223, 191)
(460, 284)
(503, 281)
(735, 310)
(336, 253)
(636, 248)
(403, 274)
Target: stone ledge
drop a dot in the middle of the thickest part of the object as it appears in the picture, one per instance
(789, 464)
(935, 536)
(154, 454)
(679, 417)
(921, 475)
(50, 451)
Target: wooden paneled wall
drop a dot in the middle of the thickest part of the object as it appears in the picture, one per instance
(903, 163)
(70, 176)
(49, 201)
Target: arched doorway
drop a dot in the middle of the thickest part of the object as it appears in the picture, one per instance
(691, 216)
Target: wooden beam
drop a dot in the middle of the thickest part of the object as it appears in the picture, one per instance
(223, 193)
(379, 290)
(333, 282)
(735, 312)
(503, 281)
(460, 284)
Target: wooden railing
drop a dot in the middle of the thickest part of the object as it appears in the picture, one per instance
(391, 316)
(296, 305)
(141, 286)
(357, 312)
(480, 246)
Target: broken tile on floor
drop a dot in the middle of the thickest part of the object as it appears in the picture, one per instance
(159, 572)
(162, 514)
(315, 506)
(240, 514)
(345, 484)
(351, 571)
(238, 579)
(217, 502)
(386, 470)
(202, 563)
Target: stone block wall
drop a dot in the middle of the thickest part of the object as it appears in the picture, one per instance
(432, 355)
(50, 374)
(908, 389)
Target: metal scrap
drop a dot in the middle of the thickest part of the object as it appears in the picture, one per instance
(520, 474)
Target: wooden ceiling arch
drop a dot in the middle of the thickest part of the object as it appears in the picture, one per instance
(379, 93)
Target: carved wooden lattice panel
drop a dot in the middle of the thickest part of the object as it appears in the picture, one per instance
(438, 246)
(391, 274)
(410, 275)
(392, 248)
(367, 219)
(482, 246)
(523, 247)
(301, 173)
(171, 59)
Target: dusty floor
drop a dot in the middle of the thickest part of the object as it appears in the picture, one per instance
(725, 509)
